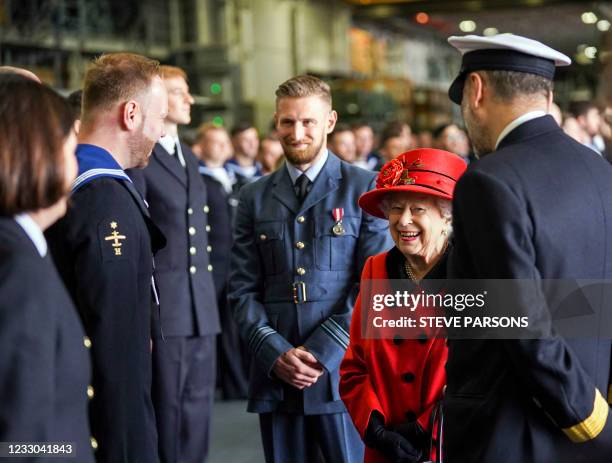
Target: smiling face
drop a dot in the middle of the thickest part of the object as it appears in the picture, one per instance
(417, 225)
(302, 125)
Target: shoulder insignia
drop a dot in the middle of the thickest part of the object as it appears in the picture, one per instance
(115, 238)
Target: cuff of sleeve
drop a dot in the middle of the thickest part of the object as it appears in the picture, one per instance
(593, 425)
(267, 345)
(328, 344)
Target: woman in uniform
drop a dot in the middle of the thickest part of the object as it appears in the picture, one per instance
(44, 362)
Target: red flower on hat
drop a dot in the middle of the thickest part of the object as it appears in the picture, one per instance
(390, 174)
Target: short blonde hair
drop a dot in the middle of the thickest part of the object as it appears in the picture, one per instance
(169, 72)
(116, 77)
(304, 86)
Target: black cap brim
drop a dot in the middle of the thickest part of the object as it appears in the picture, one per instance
(499, 60)
(455, 91)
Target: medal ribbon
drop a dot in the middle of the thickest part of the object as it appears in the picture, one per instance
(338, 213)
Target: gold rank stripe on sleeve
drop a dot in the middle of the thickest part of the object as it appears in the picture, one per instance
(593, 425)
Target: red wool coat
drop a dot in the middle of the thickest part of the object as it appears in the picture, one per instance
(401, 378)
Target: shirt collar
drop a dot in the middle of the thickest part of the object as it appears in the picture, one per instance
(312, 172)
(31, 228)
(516, 122)
(168, 142)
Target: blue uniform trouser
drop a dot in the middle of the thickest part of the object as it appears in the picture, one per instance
(330, 438)
(183, 393)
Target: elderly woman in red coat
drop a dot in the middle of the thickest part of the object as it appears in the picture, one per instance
(390, 385)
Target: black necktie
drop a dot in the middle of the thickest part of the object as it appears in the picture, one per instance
(177, 155)
(302, 185)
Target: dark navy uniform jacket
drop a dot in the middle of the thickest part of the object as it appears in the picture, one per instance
(540, 207)
(103, 249)
(294, 282)
(220, 236)
(44, 363)
(179, 206)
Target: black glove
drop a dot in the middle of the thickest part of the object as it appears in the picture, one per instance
(395, 447)
(413, 431)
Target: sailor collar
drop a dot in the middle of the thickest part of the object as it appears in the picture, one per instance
(95, 162)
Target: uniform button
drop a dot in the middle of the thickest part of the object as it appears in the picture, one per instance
(263, 237)
(90, 392)
(408, 377)
(190, 211)
(193, 269)
(93, 442)
(410, 415)
(301, 219)
(210, 268)
(299, 245)
(208, 248)
(192, 250)
(206, 209)
(192, 231)
(397, 340)
(87, 342)
(207, 228)
(301, 271)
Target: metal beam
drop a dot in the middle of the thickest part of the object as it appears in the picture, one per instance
(378, 9)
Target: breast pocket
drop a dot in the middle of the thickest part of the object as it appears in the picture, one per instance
(335, 251)
(269, 239)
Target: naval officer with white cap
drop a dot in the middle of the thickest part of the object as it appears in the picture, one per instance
(537, 206)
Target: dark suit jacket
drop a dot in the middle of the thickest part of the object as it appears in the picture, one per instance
(44, 365)
(264, 278)
(538, 208)
(220, 237)
(111, 287)
(178, 204)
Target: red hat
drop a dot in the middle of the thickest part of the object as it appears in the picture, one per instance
(425, 170)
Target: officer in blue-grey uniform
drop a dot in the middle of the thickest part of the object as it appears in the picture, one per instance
(184, 359)
(104, 248)
(537, 206)
(300, 242)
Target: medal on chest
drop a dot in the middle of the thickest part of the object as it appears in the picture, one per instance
(338, 229)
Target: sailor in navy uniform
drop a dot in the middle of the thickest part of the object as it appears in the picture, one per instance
(104, 248)
(537, 206)
(300, 243)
